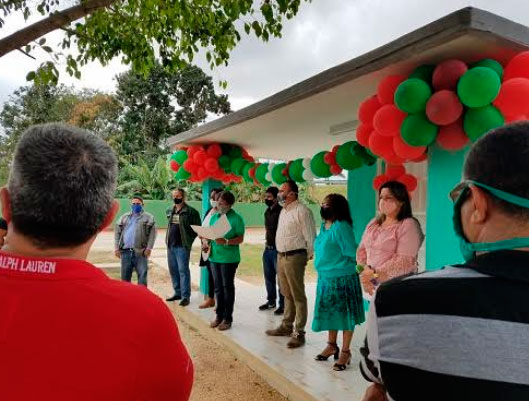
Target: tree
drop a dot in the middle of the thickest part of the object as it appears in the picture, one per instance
(160, 105)
(140, 31)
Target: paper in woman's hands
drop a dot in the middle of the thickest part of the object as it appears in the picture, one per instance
(217, 230)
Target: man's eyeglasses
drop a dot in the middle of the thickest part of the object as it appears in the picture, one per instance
(459, 190)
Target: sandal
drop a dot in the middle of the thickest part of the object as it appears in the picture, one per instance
(342, 366)
(336, 353)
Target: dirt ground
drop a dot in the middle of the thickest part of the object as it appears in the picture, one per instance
(218, 374)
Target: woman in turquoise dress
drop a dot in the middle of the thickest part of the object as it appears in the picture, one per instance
(339, 305)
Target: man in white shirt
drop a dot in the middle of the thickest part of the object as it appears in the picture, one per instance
(295, 246)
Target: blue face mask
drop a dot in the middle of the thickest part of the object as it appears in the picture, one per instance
(137, 208)
(469, 249)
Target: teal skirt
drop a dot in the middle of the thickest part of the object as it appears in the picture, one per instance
(339, 303)
(204, 280)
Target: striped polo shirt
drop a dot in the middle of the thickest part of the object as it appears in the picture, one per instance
(459, 333)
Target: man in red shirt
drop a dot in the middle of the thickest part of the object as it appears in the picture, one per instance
(67, 331)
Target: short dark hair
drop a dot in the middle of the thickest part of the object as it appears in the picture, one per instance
(339, 207)
(400, 192)
(3, 224)
(228, 197)
(500, 159)
(139, 197)
(272, 191)
(182, 191)
(215, 191)
(293, 186)
(61, 185)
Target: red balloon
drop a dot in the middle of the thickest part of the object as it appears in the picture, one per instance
(367, 109)
(394, 172)
(447, 74)
(513, 99)
(405, 151)
(192, 150)
(214, 150)
(388, 119)
(335, 169)
(218, 174)
(509, 119)
(335, 149)
(211, 164)
(409, 181)
(362, 134)
(387, 87)
(200, 157)
(251, 172)
(452, 137)
(189, 166)
(518, 67)
(380, 180)
(173, 165)
(444, 107)
(380, 145)
(329, 158)
(201, 173)
(421, 158)
(392, 158)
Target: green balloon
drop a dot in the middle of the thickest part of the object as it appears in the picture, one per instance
(295, 170)
(480, 120)
(182, 174)
(490, 63)
(180, 156)
(224, 162)
(364, 154)
(319, 167)
(424, 73)
(346, 158)
(260, 174)
(478, 87)
(237, 165)
(412, 95)
(417, 130)
(277, 173)
(235, 152)
(246, 171)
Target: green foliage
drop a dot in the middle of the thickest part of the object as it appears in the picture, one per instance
(143, 32)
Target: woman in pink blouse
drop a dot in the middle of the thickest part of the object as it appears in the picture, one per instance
(391, 241)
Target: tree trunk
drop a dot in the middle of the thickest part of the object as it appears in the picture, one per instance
(50, 24)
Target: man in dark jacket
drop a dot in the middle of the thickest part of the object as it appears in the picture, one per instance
(179, 238)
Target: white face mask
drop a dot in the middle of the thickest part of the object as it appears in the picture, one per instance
(213, 203)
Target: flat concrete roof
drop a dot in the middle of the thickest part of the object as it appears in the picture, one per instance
(296, 122)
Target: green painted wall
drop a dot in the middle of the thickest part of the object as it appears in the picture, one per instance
(444, 172)
(252, 213)
(362, 198)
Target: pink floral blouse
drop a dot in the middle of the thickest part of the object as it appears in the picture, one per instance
(392, 250)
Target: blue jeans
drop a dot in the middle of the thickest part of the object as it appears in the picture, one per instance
(178, 260)
(130, 262)
(224, 278)
(270, 273)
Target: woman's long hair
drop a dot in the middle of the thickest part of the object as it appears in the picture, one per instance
(340, 207)
(399, 191)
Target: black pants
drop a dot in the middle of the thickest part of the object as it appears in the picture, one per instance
(211, 281)
(224, 277)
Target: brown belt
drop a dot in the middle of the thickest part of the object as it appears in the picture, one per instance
(291, 253)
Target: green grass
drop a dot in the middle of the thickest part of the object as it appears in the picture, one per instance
(251, 267)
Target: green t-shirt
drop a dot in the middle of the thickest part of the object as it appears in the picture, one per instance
(227, 253)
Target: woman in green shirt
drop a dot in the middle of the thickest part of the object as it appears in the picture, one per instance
(339, 304)
(224, 259)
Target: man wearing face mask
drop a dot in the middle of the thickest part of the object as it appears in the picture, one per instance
(462, 332)
(295, 246)
(271, 216)
(134, 238)
(179, 239)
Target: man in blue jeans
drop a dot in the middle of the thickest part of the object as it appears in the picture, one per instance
(179, 238)
(271, 216)
(134, 239)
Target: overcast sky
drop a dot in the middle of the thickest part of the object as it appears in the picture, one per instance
(325, 33)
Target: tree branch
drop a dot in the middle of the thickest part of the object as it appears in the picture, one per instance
(26, 53)
(50, 24)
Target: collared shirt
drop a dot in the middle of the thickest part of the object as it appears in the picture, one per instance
(68, 332)
(296, 228)
(459, 333)
(129, 234)
(271, 220)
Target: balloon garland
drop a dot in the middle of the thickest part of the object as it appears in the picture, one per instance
(396, 173)
(449, 104)
(231, 163)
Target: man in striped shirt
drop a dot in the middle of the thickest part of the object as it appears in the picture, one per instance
(462, 333)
